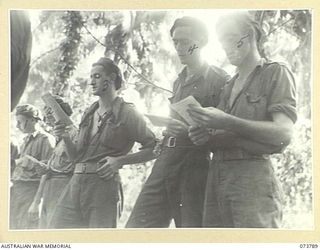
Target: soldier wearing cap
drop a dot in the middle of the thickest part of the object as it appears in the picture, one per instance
(107, 133)
(175, 189)
(27, 172)
(258, 105)
(59, 170)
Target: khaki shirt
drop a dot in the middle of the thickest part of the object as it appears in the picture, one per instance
(59, 161)
(269, 88)
(117, 133)
(38, 146)
(205, 87)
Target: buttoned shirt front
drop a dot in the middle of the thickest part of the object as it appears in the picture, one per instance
(116, 135)
(269, 88)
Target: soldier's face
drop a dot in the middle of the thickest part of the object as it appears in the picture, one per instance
(234, 41)
(25, 124)
(99, 80)
(186, 44)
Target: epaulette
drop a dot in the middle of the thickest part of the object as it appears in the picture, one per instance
(219, 72)
(285, 64)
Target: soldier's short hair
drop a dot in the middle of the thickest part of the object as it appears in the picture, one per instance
(110, 67)
(28, 110)
(196, 25)
(244, 20)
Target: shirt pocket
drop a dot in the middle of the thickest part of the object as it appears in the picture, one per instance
(114, 135)
(256, 106)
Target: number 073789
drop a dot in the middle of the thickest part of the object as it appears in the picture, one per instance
(313, 246)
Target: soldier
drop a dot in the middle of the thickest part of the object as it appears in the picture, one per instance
(35, 151)
(175, 189)
(107, 132)
(59, 171)
(258, 104)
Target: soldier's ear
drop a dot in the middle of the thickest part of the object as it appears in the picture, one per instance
(113, 77)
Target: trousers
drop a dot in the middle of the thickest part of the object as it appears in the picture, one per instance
(174, 190)
(53, 189)
(88, 201)
(21, 196)
(242, 194)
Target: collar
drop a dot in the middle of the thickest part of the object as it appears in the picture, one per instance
(259, 64)
(203, 71)
(115, 109)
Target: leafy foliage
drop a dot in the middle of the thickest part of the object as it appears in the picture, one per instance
(69, 51)
(140, 43)
(287, 38)
(294, 169)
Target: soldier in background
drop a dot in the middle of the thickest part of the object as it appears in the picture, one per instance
(35, 151)
(59, 171)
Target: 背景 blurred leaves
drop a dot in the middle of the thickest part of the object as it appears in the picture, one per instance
(64, 51)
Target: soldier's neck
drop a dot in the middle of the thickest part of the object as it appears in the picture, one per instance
(249, 64)
(106, 101)
(194, 67)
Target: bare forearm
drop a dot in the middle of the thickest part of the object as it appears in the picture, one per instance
(268, 132)
(139, 157)
(229, 140)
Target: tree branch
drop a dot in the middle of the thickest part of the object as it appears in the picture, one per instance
(126, 61)
(43, 54)
(281, 25)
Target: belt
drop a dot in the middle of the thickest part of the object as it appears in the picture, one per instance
(86, 168)
(235, 154)
(172, 142)
(58, 175)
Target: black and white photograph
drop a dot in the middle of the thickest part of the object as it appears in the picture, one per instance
(173, 118)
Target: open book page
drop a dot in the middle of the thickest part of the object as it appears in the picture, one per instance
(182, 107)
(58, 112)
(34, 160)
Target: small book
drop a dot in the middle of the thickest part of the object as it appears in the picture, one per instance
(58, 112)
(182, 107)
(34, 160)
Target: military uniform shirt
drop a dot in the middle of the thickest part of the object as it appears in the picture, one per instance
(38, 146)
(117, 133)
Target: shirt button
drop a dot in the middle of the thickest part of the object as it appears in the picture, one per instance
(195, 87)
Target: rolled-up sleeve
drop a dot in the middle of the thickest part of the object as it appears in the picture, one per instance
(283, 93)
(138, 130)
